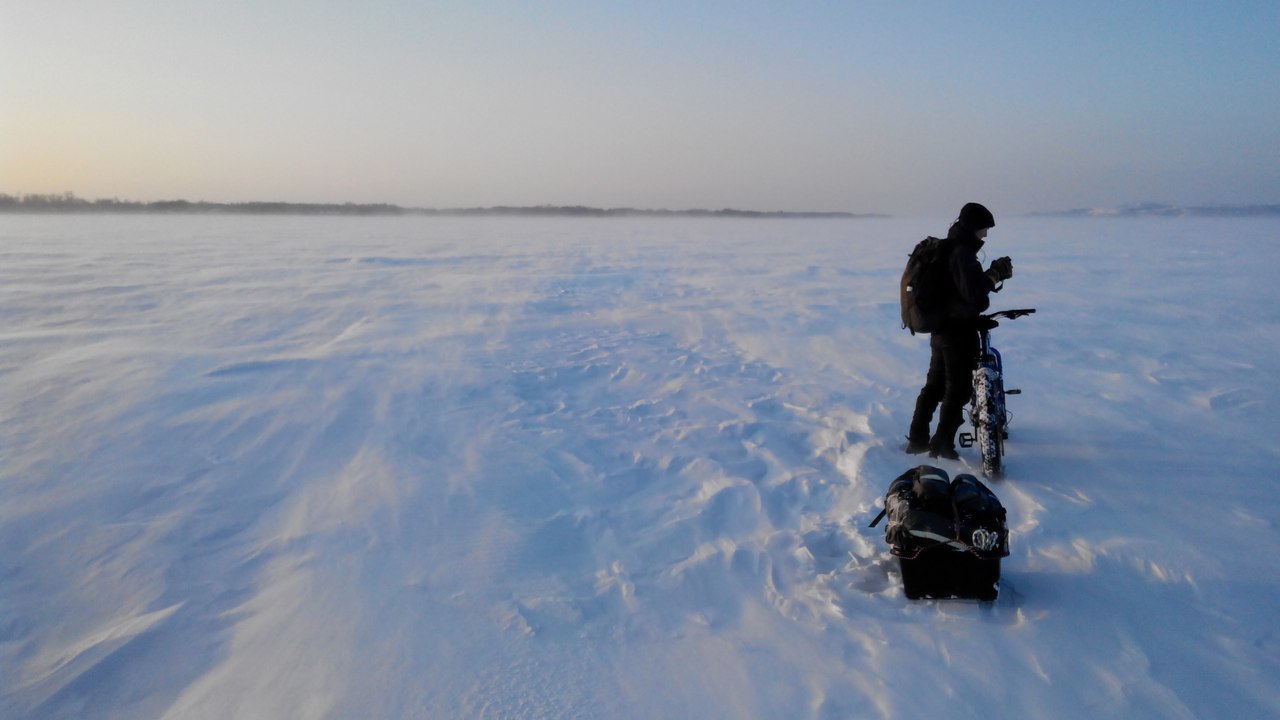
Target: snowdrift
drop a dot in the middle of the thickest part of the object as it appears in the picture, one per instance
(618, 468)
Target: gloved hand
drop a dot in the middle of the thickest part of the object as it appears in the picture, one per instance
(1001, 270)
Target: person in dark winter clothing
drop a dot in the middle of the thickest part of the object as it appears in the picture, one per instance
(954, 349)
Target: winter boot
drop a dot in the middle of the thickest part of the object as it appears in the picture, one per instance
(943, 444)
(946, 453)
(916, 446)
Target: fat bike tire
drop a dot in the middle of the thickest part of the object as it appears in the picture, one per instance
(988, 416)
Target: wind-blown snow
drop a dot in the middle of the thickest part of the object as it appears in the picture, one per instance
(574, 468)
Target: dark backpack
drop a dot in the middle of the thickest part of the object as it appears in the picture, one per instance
(924, 287)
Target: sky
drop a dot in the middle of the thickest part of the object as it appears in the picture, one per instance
(900, 108)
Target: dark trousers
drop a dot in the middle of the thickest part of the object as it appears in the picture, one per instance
(953, 357)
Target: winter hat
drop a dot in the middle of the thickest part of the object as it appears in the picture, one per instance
(976, 216)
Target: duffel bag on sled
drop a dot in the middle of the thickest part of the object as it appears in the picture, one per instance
(948, 535)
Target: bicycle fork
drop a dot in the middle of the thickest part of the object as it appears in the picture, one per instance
(988, 376)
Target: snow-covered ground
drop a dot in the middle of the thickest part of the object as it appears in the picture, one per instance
(298, 467)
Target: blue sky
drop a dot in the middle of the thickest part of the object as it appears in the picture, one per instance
(866, 107)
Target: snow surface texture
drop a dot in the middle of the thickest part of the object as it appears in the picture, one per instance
(575, 468)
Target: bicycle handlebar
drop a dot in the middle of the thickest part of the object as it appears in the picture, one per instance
(1011, 314)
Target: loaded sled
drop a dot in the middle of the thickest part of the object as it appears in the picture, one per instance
(949, 535)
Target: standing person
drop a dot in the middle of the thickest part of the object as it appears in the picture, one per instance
(954, 348)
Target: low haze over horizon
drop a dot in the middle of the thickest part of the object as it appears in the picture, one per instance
(864, 108)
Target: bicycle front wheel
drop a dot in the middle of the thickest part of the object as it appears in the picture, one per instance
(988, 417)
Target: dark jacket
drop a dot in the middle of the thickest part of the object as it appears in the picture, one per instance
(970, 286)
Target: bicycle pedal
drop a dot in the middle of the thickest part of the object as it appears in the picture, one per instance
(966, 440)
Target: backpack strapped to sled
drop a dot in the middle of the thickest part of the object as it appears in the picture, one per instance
(948, 535)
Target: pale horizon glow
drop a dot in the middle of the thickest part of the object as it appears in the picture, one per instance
(755, 106)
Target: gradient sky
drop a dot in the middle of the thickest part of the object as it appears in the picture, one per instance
(908, 107)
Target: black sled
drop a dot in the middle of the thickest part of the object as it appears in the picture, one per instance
(948, 535)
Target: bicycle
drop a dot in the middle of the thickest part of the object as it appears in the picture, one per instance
(987, 410)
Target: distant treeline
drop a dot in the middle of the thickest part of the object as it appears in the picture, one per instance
(1162, 210)
(70, 203)
(581, 211)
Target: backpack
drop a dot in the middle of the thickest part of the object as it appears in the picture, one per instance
(948, 535)
(923, 289)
